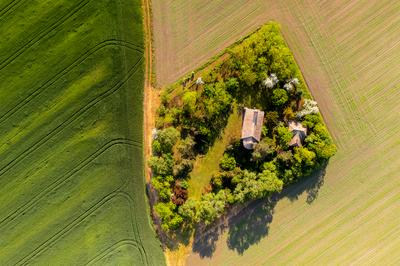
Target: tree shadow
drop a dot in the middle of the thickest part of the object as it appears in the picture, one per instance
(251, 225)
(247, 225)
(205, 238)
(311, 185)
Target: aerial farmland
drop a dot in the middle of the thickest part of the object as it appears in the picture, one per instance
(348, 52)
(71, 170)
(188, 132)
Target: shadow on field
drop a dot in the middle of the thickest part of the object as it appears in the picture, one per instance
(247, 225)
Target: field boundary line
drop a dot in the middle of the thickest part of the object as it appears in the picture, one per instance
(70, 119)
(64, 71)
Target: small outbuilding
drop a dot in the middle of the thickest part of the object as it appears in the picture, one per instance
(252, 123)
(299, 133)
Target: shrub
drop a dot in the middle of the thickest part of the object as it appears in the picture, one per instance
(163, 186)
(161, 165)
(285, 158)
(265, 148)
(311, 120)
(232, 85)
(270, 166)
(223, 180)
(183, 168)
(321, 145)
(270, 182)
(288, 114)
(170, 219)
(271, 119)
(189, 101)
(279, 97)
(227, 163)
(167, 138)
(156, 147)
(212, 205)
(250, 185)
(304, 160)
(282, 136)
(186, 148)
(189, 211)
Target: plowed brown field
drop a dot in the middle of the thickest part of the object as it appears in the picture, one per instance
(349, 52)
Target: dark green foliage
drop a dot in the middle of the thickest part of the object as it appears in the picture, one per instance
(182, 168)
(258, 56)
(170, 219)
(186, 148)
(227, 163)
(311, 120)
(163, 185)
(189, 211)
(166, 139)
(162, 165)
(232, 85)
(224, 179)
(271, 119)
(263, 150)
(200, 115)
(320, 142)
(212, 205)
(242, 155)
(279, 97)
(250, 185)
(282, 136)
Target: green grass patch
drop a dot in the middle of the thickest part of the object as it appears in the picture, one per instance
(207, 165)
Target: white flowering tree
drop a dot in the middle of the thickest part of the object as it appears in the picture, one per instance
(271, 81)
(291, 83)
(274, 78)
(309, 107)
(295, 81)
(288, 87)
(268, 83)
(199, 81)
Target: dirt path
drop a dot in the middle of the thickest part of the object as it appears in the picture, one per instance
(151, 99)
(151, 95)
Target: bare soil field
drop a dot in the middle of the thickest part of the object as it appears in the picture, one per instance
(349, 54)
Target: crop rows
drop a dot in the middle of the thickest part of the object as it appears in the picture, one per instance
(348, 52)
(72, 168)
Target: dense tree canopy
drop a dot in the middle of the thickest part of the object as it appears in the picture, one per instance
(259, 72)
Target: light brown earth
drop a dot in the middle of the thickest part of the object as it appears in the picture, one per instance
(151, 95)
(349, 52)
